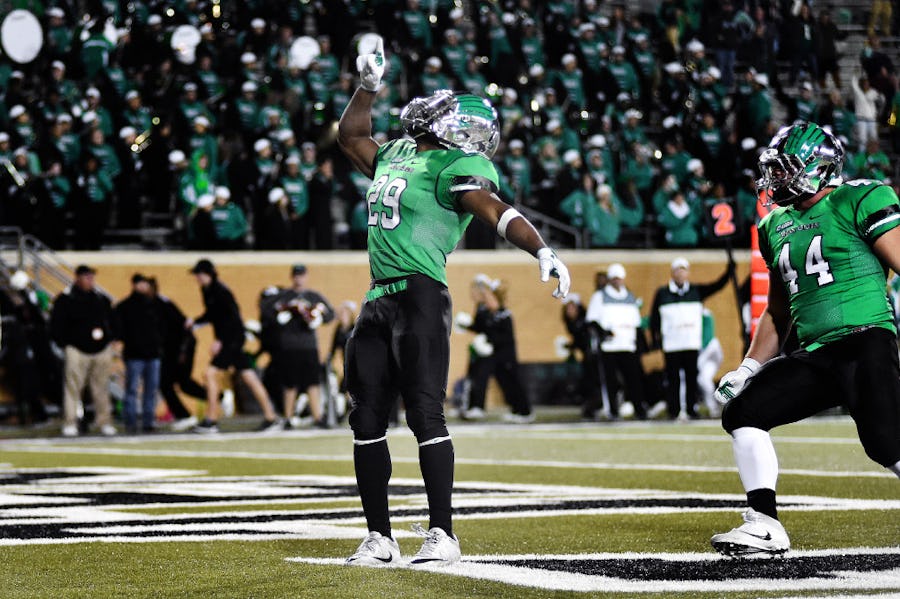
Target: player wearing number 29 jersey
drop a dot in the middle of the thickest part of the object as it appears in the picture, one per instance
(835, 283)
(828, 247)
(415, 218)
(425, 191)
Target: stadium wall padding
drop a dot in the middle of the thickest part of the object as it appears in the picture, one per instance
(344, 276)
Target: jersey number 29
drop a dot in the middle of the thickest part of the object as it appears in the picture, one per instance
(816, 265)
(387, 194)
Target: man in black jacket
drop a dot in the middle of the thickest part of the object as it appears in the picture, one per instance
(140, 330)
(223, 313)
(676, 323)
(292, 318)
(82, 324)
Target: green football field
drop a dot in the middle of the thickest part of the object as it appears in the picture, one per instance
(553, 509)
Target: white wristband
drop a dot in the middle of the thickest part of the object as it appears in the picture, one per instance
(750, 364)
(505, 219)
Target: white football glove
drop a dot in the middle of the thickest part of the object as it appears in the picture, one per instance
(733, 382)
(371, 68)
(463, 320)
(482, 346)
(552, 266)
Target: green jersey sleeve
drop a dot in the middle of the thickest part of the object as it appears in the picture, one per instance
(467, 173)
(877, 211)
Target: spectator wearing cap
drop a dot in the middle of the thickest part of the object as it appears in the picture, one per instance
(759, 109)
(676, 324)
(675, 159)
(623, 72)
(92, 215)
(229, 221)
(140, 331)
(29, 359)
(65, 143)
(633, 130)
(328, 63)
(191, 107)
(454, 52)
(319, 83)
(799, 34)
(615, 310)
(587, 45)
(518, 169)
(68, 89)
(727, 30)
(416, 32)
(531, 44)
(432, 79)
(256, 39)
(22, 127)
(510, 113)
(105, 153)
(867, 102)
(309, 161)
(646, 66)
(276, 220)
(95, 51)
(578, 205)
(710, 140)
(273, 118)
(223, 313)
(82, 324)
(472, 79)
(130, 183)
(202, 230)
(135, 113)
(605, 218)
(826, 48)
(59, 34)
(290, 321)
(204, 141)
(5, 151)
(571, 79)
(711, 93)
(500, 51)
(213, 88)
(103, 118)
(297, 191)
(639, 171)
(246, 111)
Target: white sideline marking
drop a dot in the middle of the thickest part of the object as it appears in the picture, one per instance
(481, 567)
(348, 457)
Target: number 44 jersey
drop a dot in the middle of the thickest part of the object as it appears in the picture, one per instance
(415, 219)
(835, 282)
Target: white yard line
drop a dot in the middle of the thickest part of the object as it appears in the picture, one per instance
(347, 457)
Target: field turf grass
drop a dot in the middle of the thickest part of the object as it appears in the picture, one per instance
(628, 508)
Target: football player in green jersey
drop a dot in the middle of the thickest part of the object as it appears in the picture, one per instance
(426, 189)
(828, 246)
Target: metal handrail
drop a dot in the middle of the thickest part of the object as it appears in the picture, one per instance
(545, 224)
(47, 269)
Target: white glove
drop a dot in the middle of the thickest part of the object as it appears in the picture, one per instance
(371, 68)
(482, 346)
(551, 265)
(463, 320)
(733, 382)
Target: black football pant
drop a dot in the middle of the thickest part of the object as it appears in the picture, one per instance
(859, 372)
(506, 371)
(628, 366)
(401, 345)
(678, 364)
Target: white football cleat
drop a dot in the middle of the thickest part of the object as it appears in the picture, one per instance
(439, 548)
(70, 430)
(183, 424)
(758, 535)
(108, 430)
(375, 550)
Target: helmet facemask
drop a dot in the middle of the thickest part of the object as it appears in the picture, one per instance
(462, 121)
(789, 179)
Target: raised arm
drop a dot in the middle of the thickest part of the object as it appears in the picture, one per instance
(355, 126)
(516, 229)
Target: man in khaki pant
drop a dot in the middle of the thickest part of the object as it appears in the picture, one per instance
(82, 323)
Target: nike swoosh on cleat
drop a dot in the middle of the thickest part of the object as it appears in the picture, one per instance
(385, 560)
(768, 536)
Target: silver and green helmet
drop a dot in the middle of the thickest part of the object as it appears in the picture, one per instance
(456, 120)
(800, 161)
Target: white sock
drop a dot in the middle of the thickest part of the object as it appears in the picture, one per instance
(755, 457)
(895, 468)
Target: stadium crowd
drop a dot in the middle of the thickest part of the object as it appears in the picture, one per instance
(622, 124)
